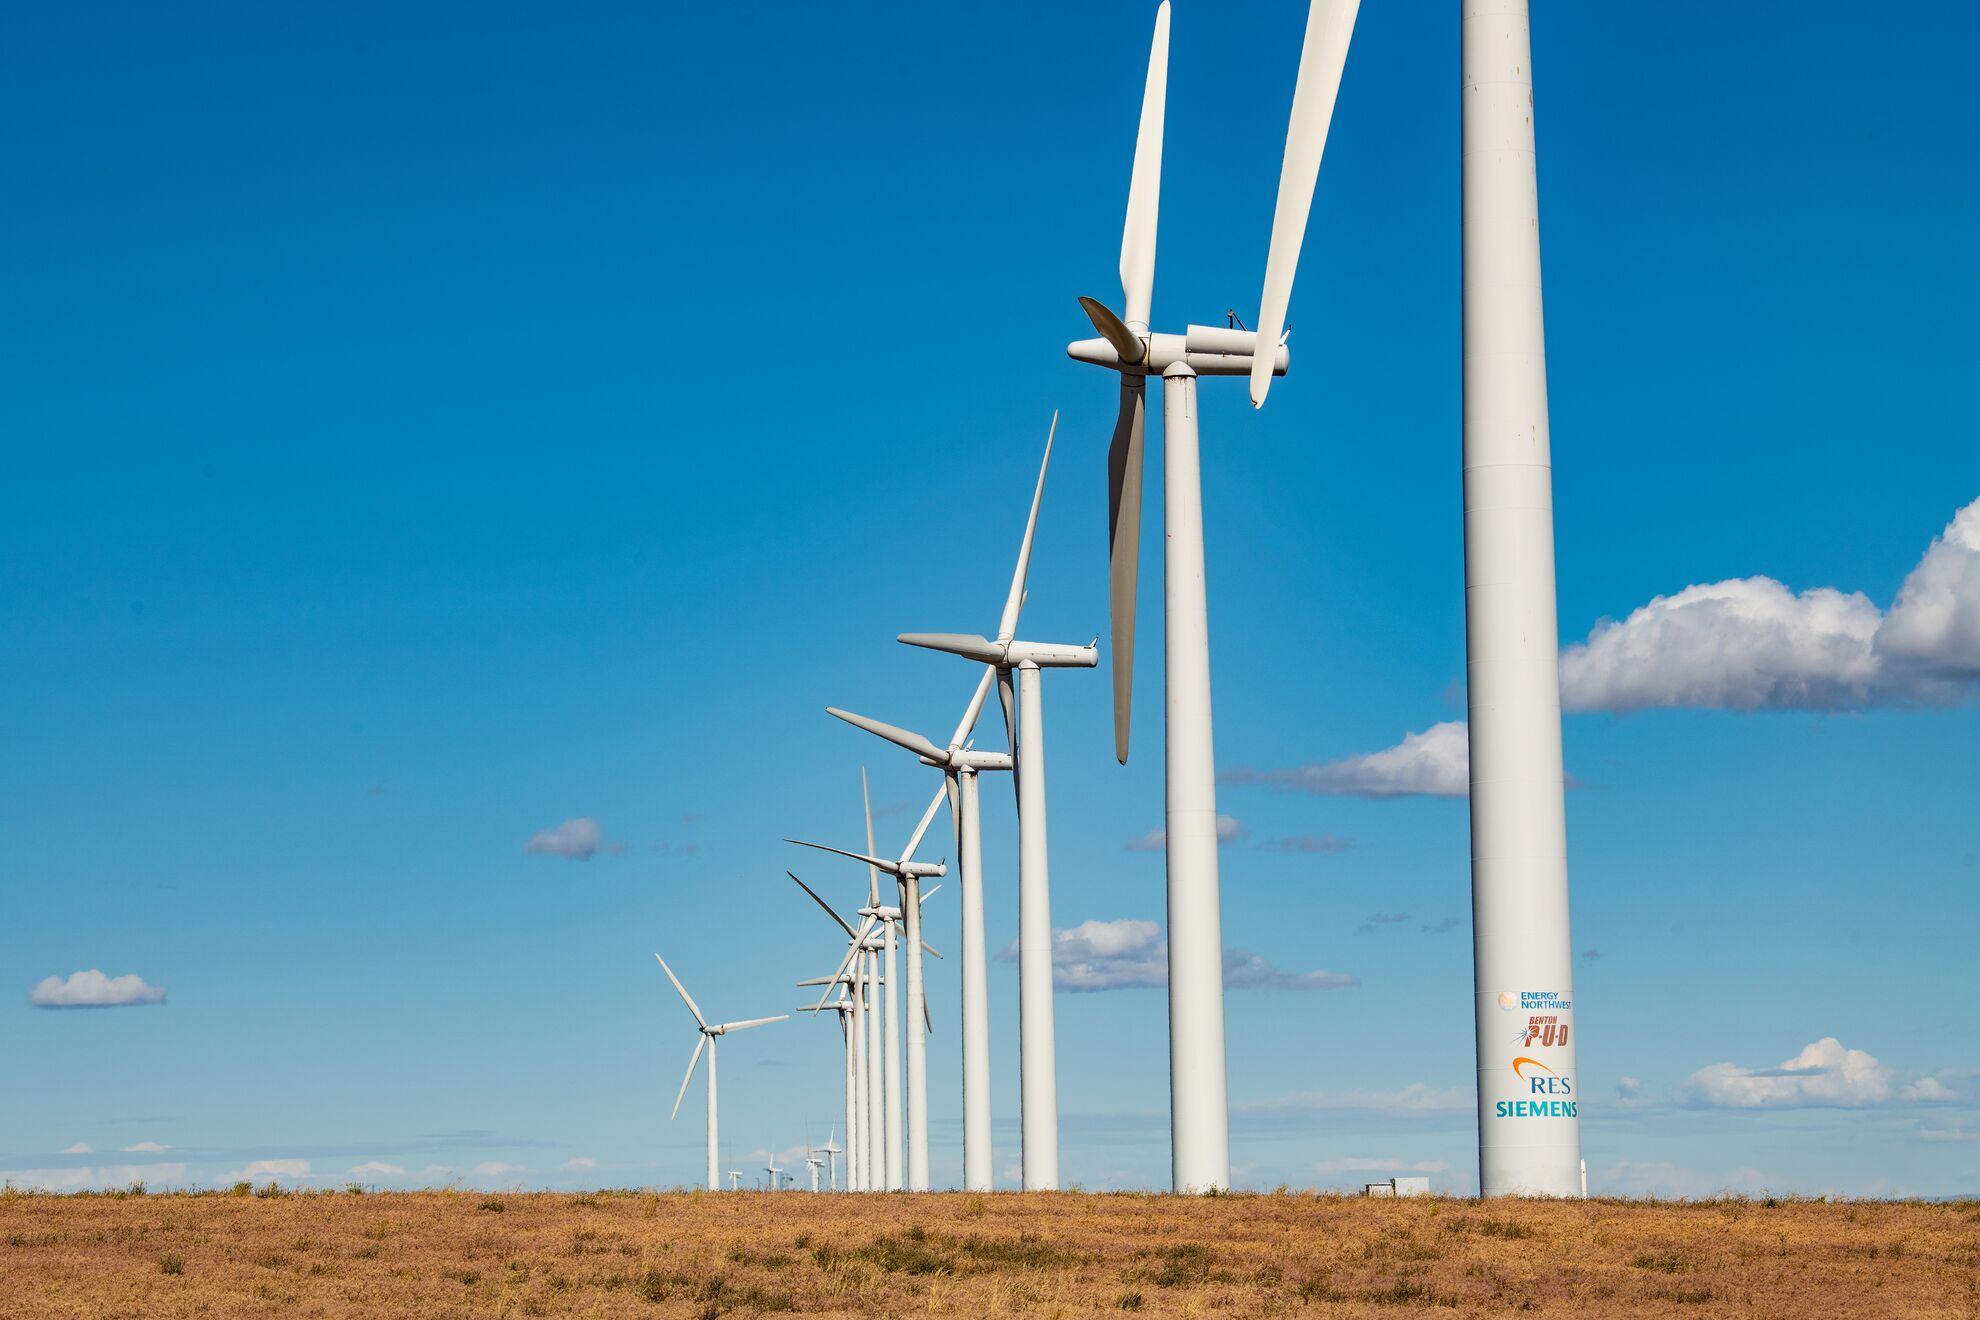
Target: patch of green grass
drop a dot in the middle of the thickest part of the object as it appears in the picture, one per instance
(492, 1206)
(1666, 1262)
(1183, 1266)
(1128, 1301)
(171, 1263)
(1027, 1251)
(903, 1253)
(1503, 1228)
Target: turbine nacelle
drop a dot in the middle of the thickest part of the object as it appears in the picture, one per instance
(1208, 350)
(1008, 654)
(970, 759)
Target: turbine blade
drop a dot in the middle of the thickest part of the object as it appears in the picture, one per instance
(928, 894)
(1007, 624)
(872, 875)
(1329, 28)
(881, 863)
(1114, 331)
(914, 742)
(927, 1018)
(934, 805)
(972, 646)
(699, 1021)
(693, 1063)
(1008, 698)
(751, 1022)
(852, 951)
(929, 949)
(822, 903)
(1124, 544)
(954, 794)
(1145, 185)
(966, 725)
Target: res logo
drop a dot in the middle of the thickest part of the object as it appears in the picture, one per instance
(1540, 1079)
(1543, 1081)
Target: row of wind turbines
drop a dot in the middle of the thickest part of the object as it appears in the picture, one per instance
(1519, 849)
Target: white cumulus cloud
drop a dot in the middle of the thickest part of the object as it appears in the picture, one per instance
(80, 1148)
(377, 1169)
(1435, 762)
(576, 839)
(1825, 1074)
(1742, 644)
(1129, 953)
(578, 1165)
(92, 989)
(144, 1147)
(1229, 830)
(1754, 644)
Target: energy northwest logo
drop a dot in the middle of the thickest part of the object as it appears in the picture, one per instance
(1541, 1081)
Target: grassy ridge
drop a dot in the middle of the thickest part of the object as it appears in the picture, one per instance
(341, 1254)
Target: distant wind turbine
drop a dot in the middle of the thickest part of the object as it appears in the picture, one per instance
(909, 873)
(709, 1034)
(1038, 1066)
(960, 763)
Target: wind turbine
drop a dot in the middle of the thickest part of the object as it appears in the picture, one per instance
(735, 1179)
(1038, 1066)
(812, 1161)
(843, 1007)
(831, 1150)
(1199, 1106)
(960, 763)
(1523, 959)
(773, 1168)
(909, 873)
(708, 1037)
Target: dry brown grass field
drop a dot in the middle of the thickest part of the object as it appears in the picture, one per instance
(1057, 1254)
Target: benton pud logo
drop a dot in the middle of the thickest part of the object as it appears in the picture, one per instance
(1541, 1081)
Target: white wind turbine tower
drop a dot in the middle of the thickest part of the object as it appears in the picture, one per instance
(735, 1179)
(1038, 1067)
(909, 873)
(831, 1151)
(866, 1135)
(865, 1126)
(960, 763)
(843, 1007)
(1522, 957)
(707, 1041)
(772, 1168)
(1199, 1107)
(813, 1161)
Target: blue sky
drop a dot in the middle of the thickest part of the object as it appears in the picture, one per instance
(426, 427)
